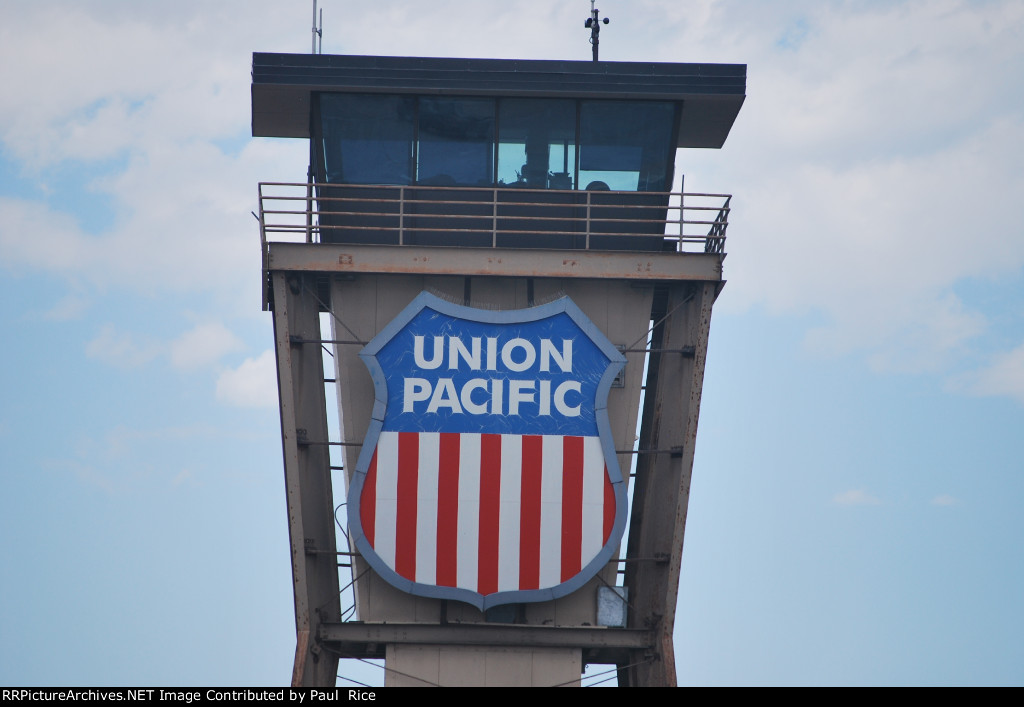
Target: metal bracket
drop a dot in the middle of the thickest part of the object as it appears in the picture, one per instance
(620, 377)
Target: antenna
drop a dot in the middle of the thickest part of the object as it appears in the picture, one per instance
(318, 33)
(594, 25)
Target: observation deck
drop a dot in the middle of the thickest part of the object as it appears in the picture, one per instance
(395, 228)
(488, 154)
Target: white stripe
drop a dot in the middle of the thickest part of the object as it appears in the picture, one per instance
(426, 507)
(387, 498)
(551, 511)
(508, 514)
(469, 510)
(593, 499)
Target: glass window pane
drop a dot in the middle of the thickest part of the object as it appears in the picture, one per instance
(537, 143)
(625, 145)
(456, 142)
(367, 139)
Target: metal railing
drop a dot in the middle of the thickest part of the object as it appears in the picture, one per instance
(402, 215)
(715, 242)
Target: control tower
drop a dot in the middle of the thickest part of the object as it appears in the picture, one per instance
(519, 310)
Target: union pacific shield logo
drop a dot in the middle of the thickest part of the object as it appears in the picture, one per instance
(488, 474)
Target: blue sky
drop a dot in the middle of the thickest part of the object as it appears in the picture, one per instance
(855, 508)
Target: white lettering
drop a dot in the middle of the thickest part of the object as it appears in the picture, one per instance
(545, 398)
(416, 390)
(467, 396)
(417, 352)
(548, 352)
(492, 353)
(497, 390)
(510, 362)
(518, 393)
(444, 396)
(560, 405)
(456, 349)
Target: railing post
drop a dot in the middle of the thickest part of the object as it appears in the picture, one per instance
(401, 215)
(263, 233)
(265, 252)
(586, 245)
(725, 223)
(309, 206)
(494, 219)
(682, 217)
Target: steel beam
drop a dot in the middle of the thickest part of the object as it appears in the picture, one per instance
(662, 486)
(368, 640)
(300, 378)
(525, 262)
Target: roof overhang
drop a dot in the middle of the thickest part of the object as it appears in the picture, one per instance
(283, 84)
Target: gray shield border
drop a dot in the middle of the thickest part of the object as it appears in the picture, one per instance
(425, 300)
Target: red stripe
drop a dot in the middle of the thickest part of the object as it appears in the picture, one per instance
(609, 508)
(490, 505)
(448, 510)
(529, 513)
(572, 506)
(405, 531)
(368, 503)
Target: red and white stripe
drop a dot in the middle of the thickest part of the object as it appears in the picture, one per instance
(487, 512)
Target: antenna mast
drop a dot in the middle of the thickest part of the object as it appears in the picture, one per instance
(594, 25)
(319, 33)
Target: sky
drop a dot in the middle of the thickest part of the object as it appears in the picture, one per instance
(855, 512)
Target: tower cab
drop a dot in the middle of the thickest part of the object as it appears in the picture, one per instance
(499, 192)
(495, 153)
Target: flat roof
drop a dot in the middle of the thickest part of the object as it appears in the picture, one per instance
(282, 86)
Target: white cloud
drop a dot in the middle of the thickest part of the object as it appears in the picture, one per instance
(875, 166)
(203, 345)
(67, 308)
(183, 224)
(87, 474)
(62, 247)
(856, 497)
(129, 73)
(253, 384)
(183, 476)
(875, 163)
(878, 247)
(121, 349)
(945, 500)
(145, 95)
(1004, 376)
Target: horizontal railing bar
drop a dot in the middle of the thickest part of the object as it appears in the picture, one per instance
(689, 238)
(489, 217)
(502, 188)
(505, 202)
(283, 228)
(482, 204)
(502, 217)
(501, 204)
